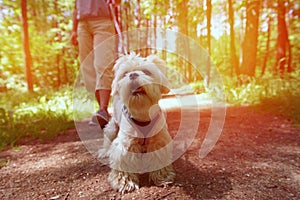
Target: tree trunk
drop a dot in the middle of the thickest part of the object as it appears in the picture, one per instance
(264, 66)
(154, 33)
(183, 45)
(58, 56)
(26, 49)
(233, 57)
(126, 21)
(138, 18)
(251, 38)
(208, 25)
(282, 41)
(65, 67)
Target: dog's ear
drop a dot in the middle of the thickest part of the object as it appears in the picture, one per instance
(122, 59)
(119, 62)
(161, 64)
(114, 89)
(165, 87)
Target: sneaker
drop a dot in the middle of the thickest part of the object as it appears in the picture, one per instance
(94, 121)
(101, 117)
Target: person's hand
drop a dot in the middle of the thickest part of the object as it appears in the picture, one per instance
(74, 38)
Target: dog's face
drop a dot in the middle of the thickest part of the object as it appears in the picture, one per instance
(139, 82)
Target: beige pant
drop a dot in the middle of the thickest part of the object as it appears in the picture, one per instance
(96, 53)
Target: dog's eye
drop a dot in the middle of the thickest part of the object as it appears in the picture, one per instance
(147, 72)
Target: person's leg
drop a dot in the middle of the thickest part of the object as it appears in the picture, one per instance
(97, 95)
(103, 59)
(86, 56)
(102, 114)
(103, 97)
(85, 44)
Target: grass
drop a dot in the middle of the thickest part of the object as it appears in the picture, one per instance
(278, 96)
(41, 115)
(275, 95)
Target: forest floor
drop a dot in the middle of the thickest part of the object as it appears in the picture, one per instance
(256, 157)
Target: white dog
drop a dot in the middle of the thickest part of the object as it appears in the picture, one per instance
(136, 138)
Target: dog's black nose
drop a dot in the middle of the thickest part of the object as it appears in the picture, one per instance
(133, 76)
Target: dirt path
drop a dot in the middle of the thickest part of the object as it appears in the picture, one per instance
(256, 157)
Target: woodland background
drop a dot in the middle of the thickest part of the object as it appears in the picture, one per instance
(254, 44)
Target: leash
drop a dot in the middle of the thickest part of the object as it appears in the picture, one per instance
(118, 29)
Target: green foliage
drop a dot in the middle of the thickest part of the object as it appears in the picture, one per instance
(40, 115)
(280, 96)
(260, 89)
(54, 60)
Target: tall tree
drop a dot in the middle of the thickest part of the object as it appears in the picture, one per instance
(208, 24)
(233, 57)
(26, 48)
(250, 42)
(282, 40)
(182, 44)
(266, 57)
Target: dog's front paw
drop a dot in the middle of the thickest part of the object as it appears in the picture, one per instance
(123, 181)
(164, 176)
(102, 153)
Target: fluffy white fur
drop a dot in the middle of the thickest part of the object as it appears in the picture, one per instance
(135, 148)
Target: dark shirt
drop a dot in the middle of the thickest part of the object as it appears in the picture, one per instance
(92, 9)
